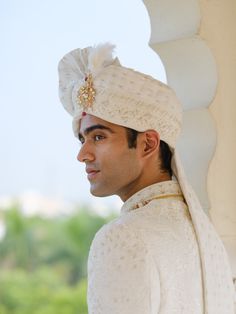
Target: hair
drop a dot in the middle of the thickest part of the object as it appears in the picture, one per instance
(165, 154)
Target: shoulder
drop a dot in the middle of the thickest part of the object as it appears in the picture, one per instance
(116, 238)
(116, 231)
(120, 271)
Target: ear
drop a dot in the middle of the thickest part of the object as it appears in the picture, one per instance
(151, 143)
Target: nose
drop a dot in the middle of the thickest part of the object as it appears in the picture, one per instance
(85, 153)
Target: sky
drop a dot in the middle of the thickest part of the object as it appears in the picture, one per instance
(38, 149)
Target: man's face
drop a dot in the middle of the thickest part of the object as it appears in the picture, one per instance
(112, 167)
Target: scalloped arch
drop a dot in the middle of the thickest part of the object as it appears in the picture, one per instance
(191, 72)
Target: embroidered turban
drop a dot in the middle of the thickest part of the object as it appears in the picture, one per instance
(92, 81)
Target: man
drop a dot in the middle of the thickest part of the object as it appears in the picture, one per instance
(161, 255)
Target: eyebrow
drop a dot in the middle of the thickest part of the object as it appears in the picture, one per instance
(95, 127)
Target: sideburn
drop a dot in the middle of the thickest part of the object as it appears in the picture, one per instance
(132, 137)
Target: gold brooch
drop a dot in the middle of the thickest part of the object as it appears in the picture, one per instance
(86, 93)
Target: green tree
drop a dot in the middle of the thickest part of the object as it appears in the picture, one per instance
(17, 249)
(41, 292)
(43, 262)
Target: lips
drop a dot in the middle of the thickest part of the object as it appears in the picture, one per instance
(91, 173)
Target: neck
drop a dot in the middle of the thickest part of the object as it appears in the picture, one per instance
(143, 183)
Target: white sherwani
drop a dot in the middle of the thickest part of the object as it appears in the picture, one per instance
(147, 261)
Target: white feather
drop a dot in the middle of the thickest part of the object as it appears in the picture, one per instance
(100, 57)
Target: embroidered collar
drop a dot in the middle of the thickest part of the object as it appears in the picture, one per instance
(160, 190)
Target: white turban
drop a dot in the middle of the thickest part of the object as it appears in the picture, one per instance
(121, 95)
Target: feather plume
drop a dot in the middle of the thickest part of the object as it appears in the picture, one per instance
(100, 57)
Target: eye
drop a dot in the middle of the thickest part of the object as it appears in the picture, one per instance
(81, 140)
(98, 137)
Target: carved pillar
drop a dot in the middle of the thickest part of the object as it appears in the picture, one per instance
(186, 34)
(191, 72)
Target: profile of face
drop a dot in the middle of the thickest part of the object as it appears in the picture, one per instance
(112, 167)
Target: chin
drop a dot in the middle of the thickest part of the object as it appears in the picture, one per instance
(99, 192)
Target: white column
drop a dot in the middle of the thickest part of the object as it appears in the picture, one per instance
(196, 41)
(191, 72)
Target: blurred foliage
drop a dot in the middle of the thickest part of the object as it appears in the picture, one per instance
(43, 262)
